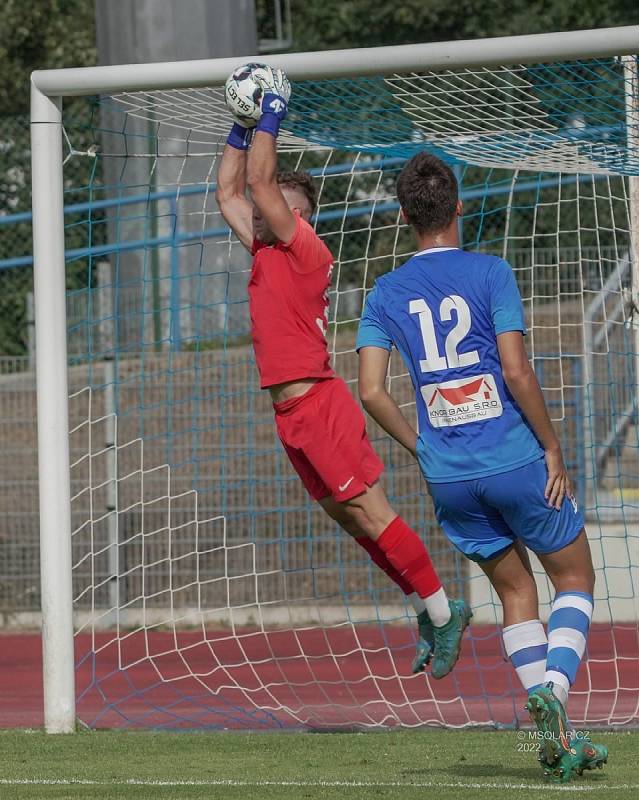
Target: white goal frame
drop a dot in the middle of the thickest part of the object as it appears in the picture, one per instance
(48, 87)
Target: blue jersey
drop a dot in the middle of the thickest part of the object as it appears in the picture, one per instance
(443, 310)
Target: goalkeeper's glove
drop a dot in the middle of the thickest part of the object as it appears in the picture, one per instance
(274, 109)
(240, 137)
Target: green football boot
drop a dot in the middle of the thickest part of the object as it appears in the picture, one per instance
(557, 755)
(591, 756)
(562, 754)
(424, 643)
(447, 638)
(582, 755)
(563, 768)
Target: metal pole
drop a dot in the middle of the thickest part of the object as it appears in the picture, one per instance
(631, 76)
(112, 486)
(589, 499)
(176, 322)
(107, 348)
(30, 331)
(53, 424)
(278, 20)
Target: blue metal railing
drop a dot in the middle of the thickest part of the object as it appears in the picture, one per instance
(178, 238)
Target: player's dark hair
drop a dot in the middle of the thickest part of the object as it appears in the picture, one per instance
(427, 192)
(301, 181)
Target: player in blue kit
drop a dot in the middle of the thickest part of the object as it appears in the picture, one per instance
(486, 445)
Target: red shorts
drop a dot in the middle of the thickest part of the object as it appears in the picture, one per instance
(324, 435)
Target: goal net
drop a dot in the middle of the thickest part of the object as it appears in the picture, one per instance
(208, 590)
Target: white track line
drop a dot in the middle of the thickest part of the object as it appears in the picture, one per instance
(583, 787)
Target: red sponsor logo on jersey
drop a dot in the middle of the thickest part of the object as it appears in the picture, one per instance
(462, 401)
(464, 393)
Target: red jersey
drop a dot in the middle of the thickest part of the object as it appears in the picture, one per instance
(288, 300)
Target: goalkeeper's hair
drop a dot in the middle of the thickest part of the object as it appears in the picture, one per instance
(301, 181)
(427, 192)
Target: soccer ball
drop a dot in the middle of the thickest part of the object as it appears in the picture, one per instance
(245, 87)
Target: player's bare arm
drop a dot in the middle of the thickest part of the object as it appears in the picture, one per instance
(524, 387)
(373, 368)
(265, 190)
(231, 185)
(231, 191)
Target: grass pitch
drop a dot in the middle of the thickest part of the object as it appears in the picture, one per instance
(401, 764)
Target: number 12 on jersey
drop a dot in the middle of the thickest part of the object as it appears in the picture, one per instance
(434, 361)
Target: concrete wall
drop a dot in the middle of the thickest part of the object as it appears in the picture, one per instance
(615, 555)
(136, 31)
(140, 155)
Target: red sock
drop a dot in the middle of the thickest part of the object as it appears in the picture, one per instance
(378, 557)
(405, 551)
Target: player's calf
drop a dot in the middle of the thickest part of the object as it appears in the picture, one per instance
(400, 552)
(571, 572)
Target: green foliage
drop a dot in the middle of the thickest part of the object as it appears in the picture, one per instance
(15, 197)
(56, 33)
(369, 23)
(41, 34)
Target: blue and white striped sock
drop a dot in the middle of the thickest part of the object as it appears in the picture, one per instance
(567, 633)
(527, 647)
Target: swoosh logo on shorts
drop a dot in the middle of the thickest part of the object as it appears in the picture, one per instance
(345, 486)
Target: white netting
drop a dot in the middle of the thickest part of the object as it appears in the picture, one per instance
(209, 591)
(568, 117)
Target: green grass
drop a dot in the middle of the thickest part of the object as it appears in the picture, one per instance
(155, 766)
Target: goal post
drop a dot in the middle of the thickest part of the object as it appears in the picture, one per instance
(52, 408)
(521, 141)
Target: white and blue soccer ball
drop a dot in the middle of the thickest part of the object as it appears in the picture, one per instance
(245, 88)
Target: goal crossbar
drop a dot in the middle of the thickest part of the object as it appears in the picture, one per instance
(539, 48)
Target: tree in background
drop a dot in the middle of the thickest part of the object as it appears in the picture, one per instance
(33, 35)
(369, 23)
(42, 34)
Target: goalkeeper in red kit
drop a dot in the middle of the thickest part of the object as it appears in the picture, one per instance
(320, 425)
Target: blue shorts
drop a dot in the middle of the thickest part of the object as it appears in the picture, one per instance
(485, 516)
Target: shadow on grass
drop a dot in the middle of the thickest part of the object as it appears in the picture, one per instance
(488, 771)
(497, 772)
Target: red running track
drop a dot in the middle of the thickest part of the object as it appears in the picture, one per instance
(342, 677)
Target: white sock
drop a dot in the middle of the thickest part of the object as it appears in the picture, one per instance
(527, 647)
(437, 607)
(417, 602)
(560, 687)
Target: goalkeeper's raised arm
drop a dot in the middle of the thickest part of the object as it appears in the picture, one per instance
(231, 185)
(269, 216)
(272, 211)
